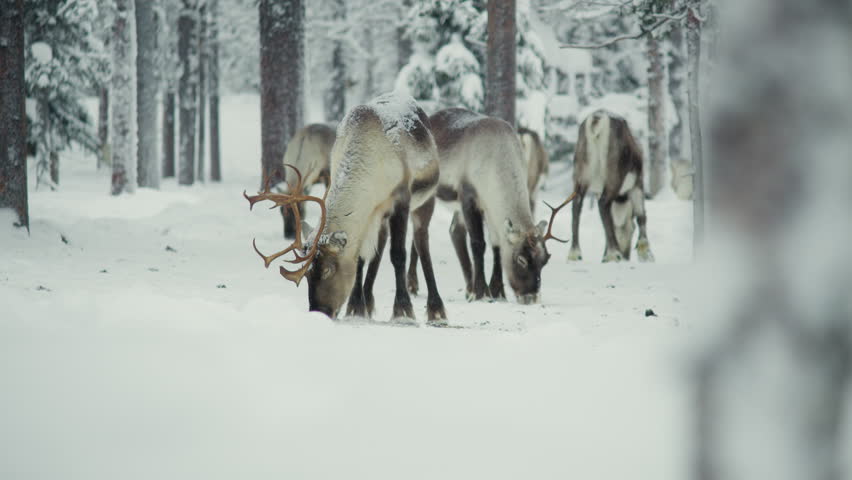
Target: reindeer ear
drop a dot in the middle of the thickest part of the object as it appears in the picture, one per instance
(512, 234)
(307, 230)
(541, 228)
(336, 241)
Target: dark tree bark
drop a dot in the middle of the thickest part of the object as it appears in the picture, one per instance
(282, 64)
(213, 78)
(693, 43)
(147, 30)
(188, 89)
(403, 42)
(500, 53)
(170, 73)
(13, 127)
(103, 126)
(334, 99)
(169, 134)
(656, 117)
(202, 88)
(123, 105)
(680, 167)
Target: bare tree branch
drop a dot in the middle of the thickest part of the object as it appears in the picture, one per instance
(643, 31)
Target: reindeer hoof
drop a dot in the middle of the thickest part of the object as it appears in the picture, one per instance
(497, 292)
(575, 255)
(612, 256)
(413, 286)
(436, 314)
(356, 310)
(403, 310)
(643, 251)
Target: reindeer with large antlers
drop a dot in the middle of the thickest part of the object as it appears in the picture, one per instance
(484, 175)
(384, 164)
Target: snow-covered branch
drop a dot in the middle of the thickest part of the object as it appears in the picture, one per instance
(643, 31)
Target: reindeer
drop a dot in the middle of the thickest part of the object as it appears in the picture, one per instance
(308, 151)
(384, 165)
(538, 163)
(484, 175)
(608, 163)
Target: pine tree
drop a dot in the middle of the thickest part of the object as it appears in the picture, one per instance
(123, 106)
(147, 66)
(13, 156)
(500, 72)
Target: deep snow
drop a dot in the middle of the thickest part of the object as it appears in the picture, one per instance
(120, 358)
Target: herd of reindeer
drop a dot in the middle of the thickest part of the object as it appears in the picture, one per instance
(387, 163)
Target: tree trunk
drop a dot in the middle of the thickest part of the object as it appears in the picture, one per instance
(693, 44)
(500, 53)
(169, 134)
(123, 105)
(581, 90)
(202, 89)
(656, 117)
(13, 126)
(773, 384)
(103, 126)
(213, 78)
(403, 42)
(188, 89)
(282, 65)
(681, 168)
(334, 99)
(370, 64)
(147, 30)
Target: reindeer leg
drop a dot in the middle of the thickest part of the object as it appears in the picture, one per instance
(458, 233)
(473, 220)
(373, 270)
(576, 209)
(611, 254)
(420, 220)
(357, 305)
(496, 286)
(398, 225)
(413, 285)
(643, 247)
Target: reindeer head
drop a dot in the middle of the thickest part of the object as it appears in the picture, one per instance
(529, 255)
(329, 278)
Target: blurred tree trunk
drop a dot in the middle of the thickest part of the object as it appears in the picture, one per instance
(169, 69)
(103, 126)
(656, 117)
(693, 44)
(772, 388)
(213, 77)
(282, 66)
(188, 89)
(123, 104)
(681, 168)
(147, 31)
(334, 98)
(500, 53)
(169, 134)
(13, 127)
(202, 87)
(403, 42)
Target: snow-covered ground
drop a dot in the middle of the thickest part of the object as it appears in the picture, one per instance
(151, 343)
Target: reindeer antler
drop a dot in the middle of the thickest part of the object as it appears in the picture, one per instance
(291, 200)
(553, 212)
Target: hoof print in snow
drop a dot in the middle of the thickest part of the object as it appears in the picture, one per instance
(221, 285)
(650, 313)
(42, 288)
(403, 322)
(152, 269)
(63, 238)
(170, 249)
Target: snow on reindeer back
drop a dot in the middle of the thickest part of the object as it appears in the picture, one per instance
(398, 112)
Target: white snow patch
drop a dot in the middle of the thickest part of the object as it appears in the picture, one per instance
(398, 112)
(41, 52)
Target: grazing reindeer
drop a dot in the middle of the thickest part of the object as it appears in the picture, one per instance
(538, 163)
(608, 163)
(384, 165)
(483, 173)
(309, 151)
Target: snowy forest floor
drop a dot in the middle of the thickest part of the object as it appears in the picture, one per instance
(151, 343)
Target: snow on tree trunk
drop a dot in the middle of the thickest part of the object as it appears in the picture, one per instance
(147, 32)
(681, 168)
(656, 117)
(693, 45)
(188, 89)
(334, 98)
(13, 151)
(169, 134)
(773, 385)
(103, 126)
(500, 53)
(282, 66)
(213, 79)
(123, 104)
(202, 88)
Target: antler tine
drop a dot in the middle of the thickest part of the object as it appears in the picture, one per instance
(268, 259)
(299, 186)
(553, 211)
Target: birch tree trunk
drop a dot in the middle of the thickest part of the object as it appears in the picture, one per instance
(773, 387)
(693, 44)
(656, 117)
(13, 126)
(147, 30)
(282, 66)
(500, 53)
(213, 78)
(202, 87)
(123, 105)
(188, 89)
(681, 168)
(334, 98)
